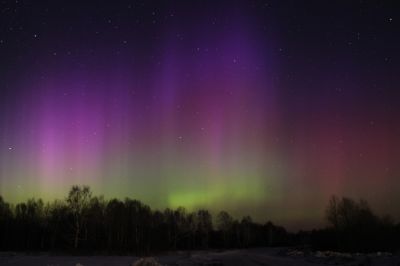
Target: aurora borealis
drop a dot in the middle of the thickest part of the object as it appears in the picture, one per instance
(257, 107)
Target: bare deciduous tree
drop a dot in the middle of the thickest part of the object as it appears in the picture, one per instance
(78, 200)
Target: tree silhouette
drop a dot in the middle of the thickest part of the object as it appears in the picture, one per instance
(5, 222)
(85, 223)
(204, 227)
(332, 211)
(355, 225)
(225, 226)
(78, 200)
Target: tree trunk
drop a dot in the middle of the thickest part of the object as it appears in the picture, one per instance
(76, 241)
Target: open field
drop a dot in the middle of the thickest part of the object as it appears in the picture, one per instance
(249, 257)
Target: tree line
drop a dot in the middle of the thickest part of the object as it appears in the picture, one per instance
(86, 223)
(90, 224)
(353, 227)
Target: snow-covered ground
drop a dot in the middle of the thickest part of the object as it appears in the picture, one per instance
(249, 257)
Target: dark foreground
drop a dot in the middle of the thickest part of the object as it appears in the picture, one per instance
(249, 257)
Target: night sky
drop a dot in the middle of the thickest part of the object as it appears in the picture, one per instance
(263, 108)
